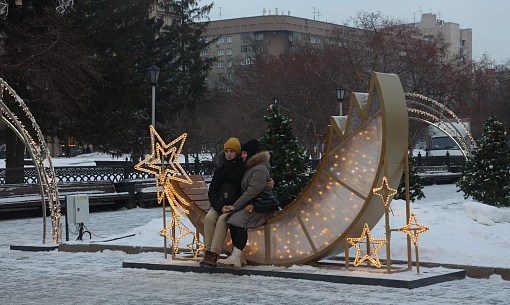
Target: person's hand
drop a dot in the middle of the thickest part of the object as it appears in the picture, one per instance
(227, 209)
(249, 208)
(270, 183)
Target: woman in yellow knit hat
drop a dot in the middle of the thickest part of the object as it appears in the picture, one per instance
(224, 190)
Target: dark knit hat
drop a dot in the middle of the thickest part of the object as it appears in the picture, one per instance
(233, 143)
(251, 147)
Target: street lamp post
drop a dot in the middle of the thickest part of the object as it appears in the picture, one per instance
(340, 93)
(153, 80)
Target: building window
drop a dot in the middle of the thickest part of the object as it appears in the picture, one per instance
(245, 61)
(203, 53)
(312, 39)
(428, 37)
(221, 40)
(221, 52)
(247, 36)
(229, 39)
(245, 49)
(229, 63)
(306, 38)
(229, 75)
(259, 36)
(221, 64)
(260, 49)
(221, 75)
(229, 51)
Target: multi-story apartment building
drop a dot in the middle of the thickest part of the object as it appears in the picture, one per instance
(243, 40)
(459, 40)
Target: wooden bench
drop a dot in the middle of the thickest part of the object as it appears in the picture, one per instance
(196, 194)
(438, 174)
(14, 196)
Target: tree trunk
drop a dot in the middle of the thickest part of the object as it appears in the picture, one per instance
(15, 150)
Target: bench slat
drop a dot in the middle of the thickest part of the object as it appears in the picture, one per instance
(199, 197)
(197, 184)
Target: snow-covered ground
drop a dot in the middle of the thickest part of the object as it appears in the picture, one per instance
(461, 232)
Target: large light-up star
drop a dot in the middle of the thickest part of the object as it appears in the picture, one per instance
(155, 164)
(159, 151)
(385, 191)
(377, 242)
(413, 232)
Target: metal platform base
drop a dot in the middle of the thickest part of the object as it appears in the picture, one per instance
(35, 248)
(409, 280)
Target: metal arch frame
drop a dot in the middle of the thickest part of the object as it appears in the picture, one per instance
(439, 120)
(462, 146)
(41, 157)
(443, 119)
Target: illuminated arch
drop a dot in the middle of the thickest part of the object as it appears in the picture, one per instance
(34, 141)
(433, 113)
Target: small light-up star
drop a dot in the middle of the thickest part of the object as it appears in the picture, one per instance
(377, 242)
(385, 191)
(413, 232)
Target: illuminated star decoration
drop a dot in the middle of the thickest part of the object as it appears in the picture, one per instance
(385, 191)
(164, 176)
(377, 242)
(413, 232)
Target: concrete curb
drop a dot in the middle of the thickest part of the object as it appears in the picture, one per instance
(471, 271)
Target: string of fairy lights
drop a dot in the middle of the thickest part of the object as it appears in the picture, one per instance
(440, 120)
(155, 164)
(40, 154)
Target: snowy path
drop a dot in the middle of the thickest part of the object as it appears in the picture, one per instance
(98, 278)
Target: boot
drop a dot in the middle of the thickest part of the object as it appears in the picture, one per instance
(233, 261)
(243, 260)
(209, 259)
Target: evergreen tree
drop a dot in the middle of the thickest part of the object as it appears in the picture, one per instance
(127, 42)
(486, 175)
(288, 166)
(416, 183)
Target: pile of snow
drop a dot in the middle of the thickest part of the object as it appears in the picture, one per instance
(486, 214)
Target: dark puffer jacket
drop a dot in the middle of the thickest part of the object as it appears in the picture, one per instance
(227, 172)
(254, 184)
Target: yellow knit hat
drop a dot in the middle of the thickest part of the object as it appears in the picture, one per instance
(233, 143)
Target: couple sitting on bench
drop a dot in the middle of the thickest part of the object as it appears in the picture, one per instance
(242, 175)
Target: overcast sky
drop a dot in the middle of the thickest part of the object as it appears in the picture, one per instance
(488, 19)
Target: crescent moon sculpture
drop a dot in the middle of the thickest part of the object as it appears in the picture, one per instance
(363, 147)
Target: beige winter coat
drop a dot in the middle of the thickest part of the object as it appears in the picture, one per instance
(253, 184)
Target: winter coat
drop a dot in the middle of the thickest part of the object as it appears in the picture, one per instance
(253, 185)
(227, 176)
